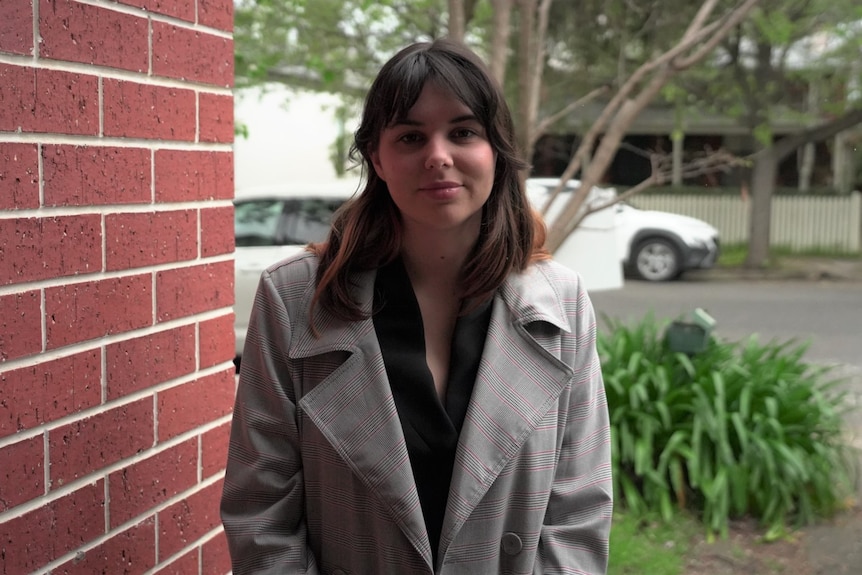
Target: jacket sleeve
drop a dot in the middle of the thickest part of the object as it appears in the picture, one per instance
(577, 524)
(262, 506)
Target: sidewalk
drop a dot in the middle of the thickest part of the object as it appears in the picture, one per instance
(833, 547)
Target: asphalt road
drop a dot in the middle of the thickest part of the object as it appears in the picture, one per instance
(828, 314)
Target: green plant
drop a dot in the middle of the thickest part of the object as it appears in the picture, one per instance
(739, 429)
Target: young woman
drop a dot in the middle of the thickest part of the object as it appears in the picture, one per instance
(422, 393)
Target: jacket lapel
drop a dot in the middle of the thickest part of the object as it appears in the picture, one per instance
(354, 409)
(517, 384)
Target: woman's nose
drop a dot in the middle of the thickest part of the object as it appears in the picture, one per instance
(439, 154)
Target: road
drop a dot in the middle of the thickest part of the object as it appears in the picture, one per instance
(828, 314)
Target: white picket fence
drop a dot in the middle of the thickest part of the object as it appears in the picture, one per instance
(798, 222)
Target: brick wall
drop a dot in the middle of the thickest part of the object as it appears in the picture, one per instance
(116, 284)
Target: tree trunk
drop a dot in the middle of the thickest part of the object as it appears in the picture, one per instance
(762, 186)
(526, 49)
(457, 22)
(502, 18)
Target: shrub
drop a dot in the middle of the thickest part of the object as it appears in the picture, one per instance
(739, 429)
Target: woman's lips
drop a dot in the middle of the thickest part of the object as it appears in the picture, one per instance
(441, 190)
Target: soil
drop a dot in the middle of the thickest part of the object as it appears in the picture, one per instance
(833, 547)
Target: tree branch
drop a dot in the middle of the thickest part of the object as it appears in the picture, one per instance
(555, 117)
(785, 146)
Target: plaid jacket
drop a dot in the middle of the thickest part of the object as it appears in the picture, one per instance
(318, 478)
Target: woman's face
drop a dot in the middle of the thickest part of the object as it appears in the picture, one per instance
(438, 164)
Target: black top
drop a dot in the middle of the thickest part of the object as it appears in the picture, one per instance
(431, 429)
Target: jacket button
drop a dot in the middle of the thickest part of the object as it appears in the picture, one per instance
(512, 544)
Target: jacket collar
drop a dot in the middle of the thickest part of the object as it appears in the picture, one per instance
(529, 296)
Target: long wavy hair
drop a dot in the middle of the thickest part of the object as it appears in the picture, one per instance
(367, 231)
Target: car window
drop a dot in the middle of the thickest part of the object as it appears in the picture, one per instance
(306, 220)
(256, 222)
(275, 222)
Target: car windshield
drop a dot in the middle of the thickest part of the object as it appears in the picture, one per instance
(278, 222)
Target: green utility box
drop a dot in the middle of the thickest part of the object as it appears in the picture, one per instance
(690, 335)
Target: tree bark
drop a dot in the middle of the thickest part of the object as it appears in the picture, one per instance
(457, 22)
(760, 222)
(526, 50)
(502, 18)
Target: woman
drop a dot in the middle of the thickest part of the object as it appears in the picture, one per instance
(421, 393)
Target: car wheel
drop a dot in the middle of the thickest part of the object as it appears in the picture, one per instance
(657, 260)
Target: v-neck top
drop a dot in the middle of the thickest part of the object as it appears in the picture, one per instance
(431, 427)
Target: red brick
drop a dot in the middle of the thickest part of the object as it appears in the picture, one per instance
(186, 407)
(16, 27)
(146, 239)
(217, 231)
(216, 14)
(79, 312)
(187, 521)
(36, 538)
(77, 32)
(142, 362)
(94, 175)
(216, 556)
(18, 94)
(186, 291)
(19, 174)
(214, 445)
(183, 176)
(142, 111)
(92, 443)
(140, 487)
(127, 553)
(20, 325)
(22, 473)
(217, 341)
(34, 249)
(216, 118)
(39, 394)
(49, 101)
(192, 55)
(182, 9)
(188, 563)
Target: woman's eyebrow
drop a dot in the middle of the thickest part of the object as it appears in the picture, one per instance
(455, 120)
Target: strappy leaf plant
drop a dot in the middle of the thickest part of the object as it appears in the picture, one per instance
(740, 429)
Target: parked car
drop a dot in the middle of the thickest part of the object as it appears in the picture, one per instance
(652, 245)
(273, 223)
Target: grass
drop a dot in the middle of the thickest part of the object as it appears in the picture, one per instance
(733, 255)
(642, 545)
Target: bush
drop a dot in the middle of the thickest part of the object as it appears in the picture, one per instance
(739, 429)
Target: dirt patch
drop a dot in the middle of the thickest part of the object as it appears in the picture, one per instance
(833, 547)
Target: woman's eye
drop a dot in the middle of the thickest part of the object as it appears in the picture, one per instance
(461, 133)
(410, 138)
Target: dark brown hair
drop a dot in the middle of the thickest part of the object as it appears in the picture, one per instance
(366, 232)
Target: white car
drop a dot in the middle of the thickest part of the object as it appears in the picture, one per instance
(272, 223)
(652, 245)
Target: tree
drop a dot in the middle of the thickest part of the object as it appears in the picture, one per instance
(700, 38)
(769, 69)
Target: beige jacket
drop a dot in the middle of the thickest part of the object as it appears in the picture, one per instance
(318, 477)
